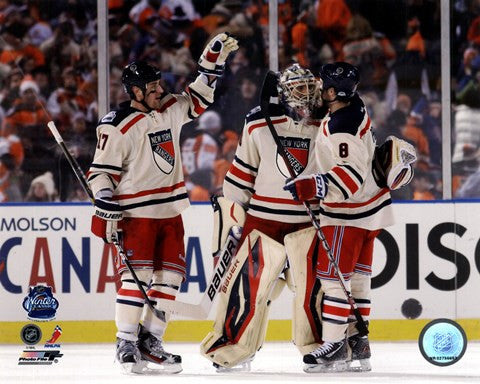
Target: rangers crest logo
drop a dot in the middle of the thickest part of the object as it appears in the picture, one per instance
(163, 150)
(297, 150)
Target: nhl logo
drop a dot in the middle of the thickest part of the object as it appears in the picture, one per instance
(163, 150)
(297, 150)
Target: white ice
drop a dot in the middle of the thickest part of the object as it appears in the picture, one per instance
(274, 363)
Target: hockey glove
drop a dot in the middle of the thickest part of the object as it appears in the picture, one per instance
(307, 187)
(107, 215)
(229, 45)
(212, 60)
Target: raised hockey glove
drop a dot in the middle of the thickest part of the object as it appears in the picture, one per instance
(212, 60)
(229, 45)
(307, 187)
(107, 215)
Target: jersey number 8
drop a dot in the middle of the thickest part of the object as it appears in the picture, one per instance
(343, 150)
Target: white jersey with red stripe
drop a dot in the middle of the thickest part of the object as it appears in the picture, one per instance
(345, 147)
(258, 173)
(138, 154)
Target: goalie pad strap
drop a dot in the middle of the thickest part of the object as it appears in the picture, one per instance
(226, 214)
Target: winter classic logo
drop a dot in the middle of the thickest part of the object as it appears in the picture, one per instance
(442, 342)
(297, 150)
(40, 303)
(163, 150)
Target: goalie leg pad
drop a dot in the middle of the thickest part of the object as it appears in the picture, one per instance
(165, 285)
(129, 304)
(242, 311)
(301, 247)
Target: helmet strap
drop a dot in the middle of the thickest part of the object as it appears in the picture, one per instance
(143, 102)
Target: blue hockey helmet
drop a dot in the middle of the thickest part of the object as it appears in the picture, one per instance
(341, 76)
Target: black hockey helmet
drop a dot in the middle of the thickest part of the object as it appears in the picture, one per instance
(139, 73)
(341, 76)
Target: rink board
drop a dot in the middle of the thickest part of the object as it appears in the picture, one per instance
(417, 258)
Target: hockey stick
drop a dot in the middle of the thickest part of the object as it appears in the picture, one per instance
(196, 311)
(201, 310)
(269, 89)
(83, 181)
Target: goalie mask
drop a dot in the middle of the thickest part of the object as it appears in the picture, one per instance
(297, 87)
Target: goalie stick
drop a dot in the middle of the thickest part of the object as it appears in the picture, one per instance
(201, 310)
(83, 181)
(269, 89)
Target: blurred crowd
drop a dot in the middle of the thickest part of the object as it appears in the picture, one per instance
(48, 71)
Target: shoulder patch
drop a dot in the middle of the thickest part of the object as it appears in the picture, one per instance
(109, 117)
(257, 114)
(115, 117)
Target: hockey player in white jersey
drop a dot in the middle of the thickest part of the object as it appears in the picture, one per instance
(354, 207)
(255, 181)
(137, 180)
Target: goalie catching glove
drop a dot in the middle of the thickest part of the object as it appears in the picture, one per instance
(212, 60)
(307, 187)
(107, 215)
(392, 163)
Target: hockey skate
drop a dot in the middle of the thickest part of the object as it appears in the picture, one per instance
(328, 357)
(359, 360)
(128, 356)
(156, 359)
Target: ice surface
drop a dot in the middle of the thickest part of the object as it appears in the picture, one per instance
(274, 363)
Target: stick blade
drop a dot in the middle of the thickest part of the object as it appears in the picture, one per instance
(179, 308)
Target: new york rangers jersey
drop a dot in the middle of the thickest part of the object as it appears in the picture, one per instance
(138, 154)
(258, 173)
(345, 148)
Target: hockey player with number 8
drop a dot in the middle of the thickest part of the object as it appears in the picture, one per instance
(137, 180)
(353, 182)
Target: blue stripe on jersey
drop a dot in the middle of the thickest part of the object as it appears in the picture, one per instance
(155, 201)
(128, 302)
(238, 185)
(245, 165)
(276, 211)
(354, 216)
(332, 179)
(106, 166)
(354, 172)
